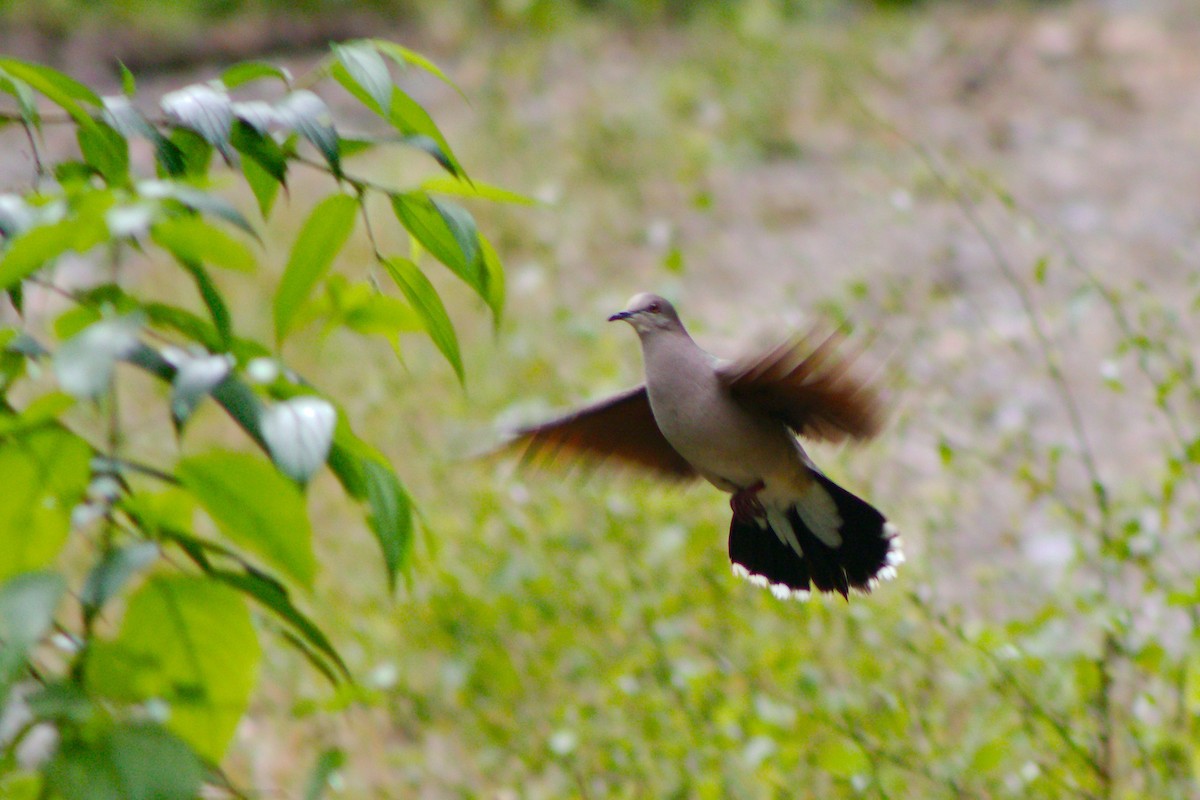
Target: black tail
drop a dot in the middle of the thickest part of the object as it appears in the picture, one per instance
(864, 549)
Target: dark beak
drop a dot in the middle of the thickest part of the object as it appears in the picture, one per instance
(620, 315)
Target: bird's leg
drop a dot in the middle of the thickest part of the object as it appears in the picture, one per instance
(745, 502)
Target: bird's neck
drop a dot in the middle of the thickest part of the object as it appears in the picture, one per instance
(666, 351)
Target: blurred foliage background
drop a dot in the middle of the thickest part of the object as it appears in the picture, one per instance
(999, 198)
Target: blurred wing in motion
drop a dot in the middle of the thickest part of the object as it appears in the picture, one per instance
(620, 428)
(809, 389)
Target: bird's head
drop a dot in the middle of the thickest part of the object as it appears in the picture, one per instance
(648, 313)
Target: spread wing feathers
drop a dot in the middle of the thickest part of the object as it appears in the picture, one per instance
(621, 428)
(810, 389)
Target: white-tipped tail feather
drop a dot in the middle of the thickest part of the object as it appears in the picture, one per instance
(778, 548)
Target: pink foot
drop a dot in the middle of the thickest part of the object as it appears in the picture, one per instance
(745, 502)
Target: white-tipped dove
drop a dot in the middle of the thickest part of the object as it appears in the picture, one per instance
(734, 423)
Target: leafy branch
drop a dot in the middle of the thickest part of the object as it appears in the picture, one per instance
(193, 545)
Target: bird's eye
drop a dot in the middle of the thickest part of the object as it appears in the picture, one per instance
(654, 308)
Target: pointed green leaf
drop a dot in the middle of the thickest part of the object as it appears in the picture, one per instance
(185, 153)
(361, 307)
(206, 110)
(494, 286)
(446, 230)
(424, 298)
(483, 191)
(26, 101)
(38, 246)
(367, 69)
(106, 151)
(408, 117)
(191, 238)
(61, 89)
(307, 114)
(264, 186)
(254, 506)
(195, 199)
(391, 515)
(248, 71)
(356, 90)
(188, 641)
(324, 233)
(128, 82)
(274, 597)
(264, 163)
(40, 411)
(260, 147)
(126, 119)
(213, 301)
(403, 56)
(31, 250)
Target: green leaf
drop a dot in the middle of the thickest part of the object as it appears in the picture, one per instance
(391, 515)
(197, 200)
(274, 597)
(27, 605)
(185, 153)
(128, 82)
(446, 230)
(321, 237)
(262, 184)
(254, 506)
(262, 148)
(403, 56)
(80, 772)
(484, 191)
(45, 475)
(354, 146)
(26, 101)
(307, 114)
(41, 411)
(409, 118)
(424, 298)
(126, 120)
(248, 71)
(130, 762)
(62, 90)
(365, 475)
(206, 110)
(367, 69)
(65, 700)
(360, 307)
(188, 641)
(264, 165)
(38, 246)
(494, 287)
(106, 151)
(190, 238)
